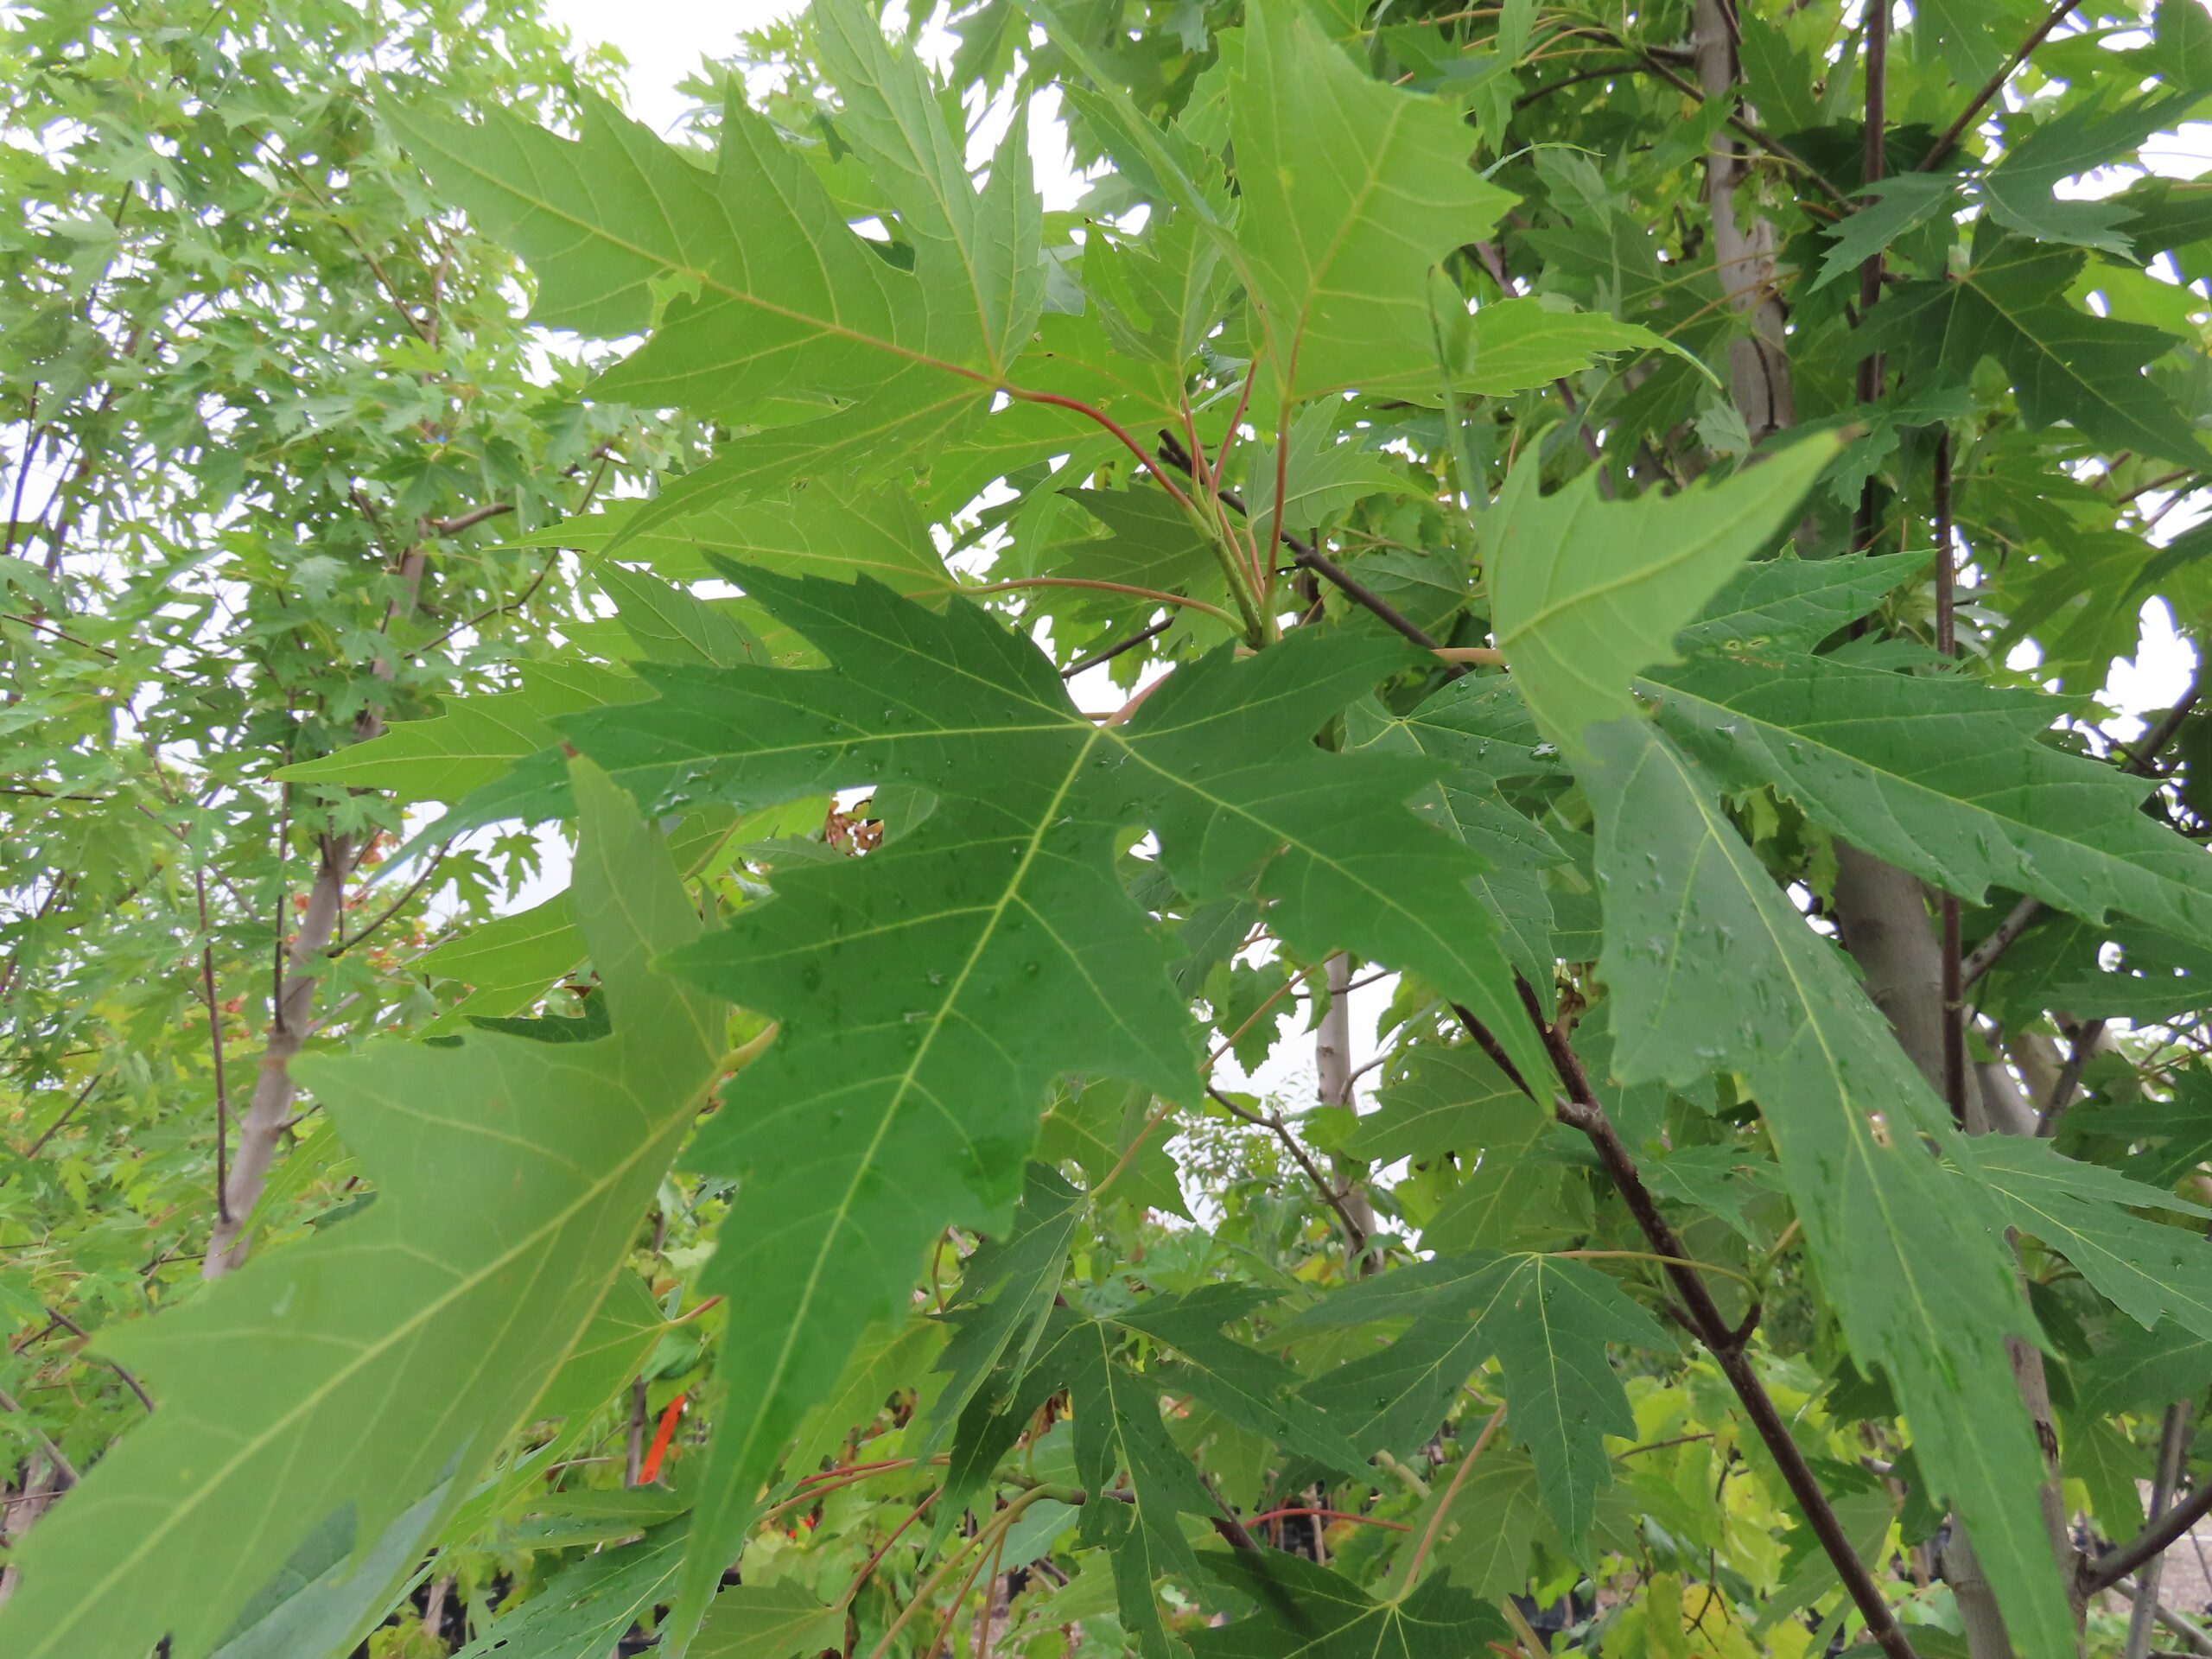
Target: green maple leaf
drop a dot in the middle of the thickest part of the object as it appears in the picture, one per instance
(1450, 1100)
(2150, 1271)
(764, 296)
(1352, 192)
(1586, 593)
(1710, 966)
(1512, 345)
(814, 531)
(588, 1606)
(1549, 1320)
(1942, 776)
(2066, 365)
(931, 992)
(478, 742)
(1304, 1610)
(1119, 1436)
(2021, 189)
(1480, 730)
(1899, 203)
(357, 1371)
(1795, 602)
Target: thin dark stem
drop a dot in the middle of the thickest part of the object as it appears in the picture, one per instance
(2022, 916)
(1870, 269)
(2070, 1076)
(1946, 641)
(215, 1045)
(2155, 1539)
(45, 626)
(1726, 1342)
(1995, 84)
(397, 905)
(67, 1112)
(22, 469)
(1117, 648)
(470, 519)
(1312, 558)
(1604, 72)
(1353, 1231)
(79, 1330)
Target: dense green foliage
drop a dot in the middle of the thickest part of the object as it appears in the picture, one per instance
(1619, 534)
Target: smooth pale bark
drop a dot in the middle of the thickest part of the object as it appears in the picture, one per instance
(274, 1091)
(1758, 362)
(291, 1018)
(1333, 1073)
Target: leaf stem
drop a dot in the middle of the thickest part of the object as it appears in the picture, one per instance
(1664, 1261)
(1154, 594)
(994, 1528)
(1444, 1503)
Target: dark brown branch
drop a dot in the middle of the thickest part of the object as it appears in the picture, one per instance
(129, 1381)
(1117, 648)
(1312, 558)
(2070, 1076)
(1726, 1342)
(1946, 641)
(2155, 1539)
(470, 519)
(67, 1112)
(1353, 1231)
(1995, 84)
(430, 869)
(2141, 764)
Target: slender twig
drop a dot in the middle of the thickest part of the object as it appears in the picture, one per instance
(1117, 648)
(1581, 1110)
(1321, 564)
(2069, 1077)
(62, 1466)
(473, 517)
(1760, 137)
(1947, 642)
(67, 1112)
(1444, 1503)
(22, 469)
(1354, 1232)
(884, 1548)
(1994, 85)
(2155, 1539)
(992, 1529)
(129, 1381)
(1871, 157)
(45, 626)
(430, 869)
(215, 1044)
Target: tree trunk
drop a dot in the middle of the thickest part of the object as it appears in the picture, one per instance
(291, 1017)
(1758, 364)
(1333, 1069)
(274, 1091)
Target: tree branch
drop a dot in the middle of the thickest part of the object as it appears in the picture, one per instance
(1353, 1231)
(1995, 84)
(2154, 1540)
(1727, 1344)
